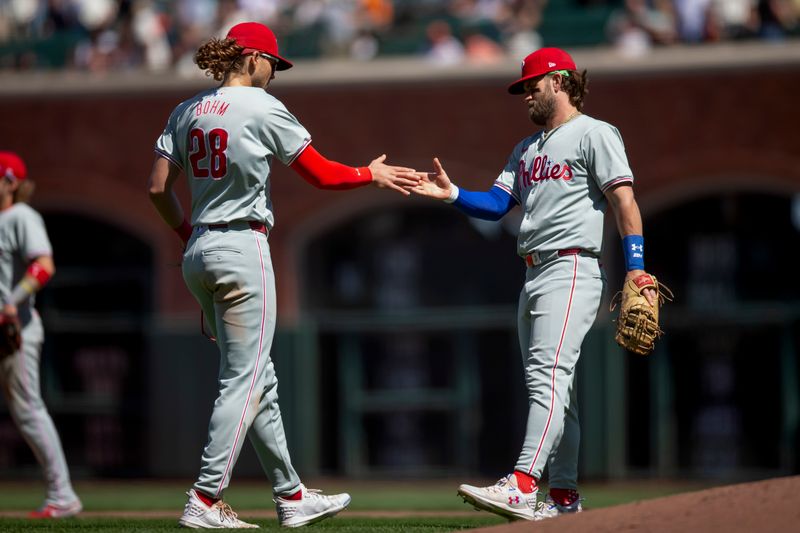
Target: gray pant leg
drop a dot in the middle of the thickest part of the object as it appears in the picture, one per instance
(560, 301)
(269, 440)
(563, 465)
(231, 274)
(21, 387)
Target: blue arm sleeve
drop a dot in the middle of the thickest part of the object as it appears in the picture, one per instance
(490, 205)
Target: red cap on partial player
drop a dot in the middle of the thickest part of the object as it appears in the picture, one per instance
(12, 166)
(541, 62)
(255, 37)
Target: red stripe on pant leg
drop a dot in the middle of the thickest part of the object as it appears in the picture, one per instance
(555, 365)
(229, 465)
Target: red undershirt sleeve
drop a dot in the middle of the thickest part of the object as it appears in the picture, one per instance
(325, 174)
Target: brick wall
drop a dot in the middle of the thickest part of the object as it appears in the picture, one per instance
(685, 133)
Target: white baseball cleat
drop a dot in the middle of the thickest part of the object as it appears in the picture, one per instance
(312, 507)
(57, 510)
(550, 509)
(503, 498)
(198, 515)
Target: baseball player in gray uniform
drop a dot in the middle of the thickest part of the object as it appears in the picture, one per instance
(226, 140)
(563, 177)
(26, 265)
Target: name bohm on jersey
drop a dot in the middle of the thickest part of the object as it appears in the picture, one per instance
(543, 168)
(211, 107)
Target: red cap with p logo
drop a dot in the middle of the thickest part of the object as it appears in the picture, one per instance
(541, 62)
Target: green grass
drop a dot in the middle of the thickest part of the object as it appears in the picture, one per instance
(85, 524)
(338, 525)
(106, 496)
(405, 496)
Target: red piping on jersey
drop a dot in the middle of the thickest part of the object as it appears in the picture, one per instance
(555, 365)
(169, 158)
(229, 465)
(617, 181)
(325, 174)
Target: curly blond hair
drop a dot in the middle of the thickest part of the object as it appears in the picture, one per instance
(218, 57)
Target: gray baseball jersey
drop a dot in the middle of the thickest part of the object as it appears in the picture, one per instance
(23, 238)
(225, 140)
(559, 179)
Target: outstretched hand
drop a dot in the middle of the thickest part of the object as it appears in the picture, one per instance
(434, 184)
(384, 176)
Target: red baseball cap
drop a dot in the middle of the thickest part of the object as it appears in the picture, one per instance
(12, 166)
(255, 37)
(541, 62)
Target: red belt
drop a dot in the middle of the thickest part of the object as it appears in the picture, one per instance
(255, 226)
(537, 258)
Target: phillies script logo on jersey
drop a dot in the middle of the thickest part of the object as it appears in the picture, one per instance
(543, 169)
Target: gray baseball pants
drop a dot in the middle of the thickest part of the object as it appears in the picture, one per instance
(557, 306)
(229, 272)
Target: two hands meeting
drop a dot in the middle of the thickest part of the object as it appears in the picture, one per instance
(405, 180)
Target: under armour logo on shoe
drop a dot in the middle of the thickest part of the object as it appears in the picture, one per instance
(513, 499)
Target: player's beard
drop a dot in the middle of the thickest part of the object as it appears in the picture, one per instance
(542, 108)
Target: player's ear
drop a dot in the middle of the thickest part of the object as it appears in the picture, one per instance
(250, 64)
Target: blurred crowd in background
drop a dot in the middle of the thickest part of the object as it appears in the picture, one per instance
(108, 35)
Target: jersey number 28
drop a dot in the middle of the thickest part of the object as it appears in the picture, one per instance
(211, 146)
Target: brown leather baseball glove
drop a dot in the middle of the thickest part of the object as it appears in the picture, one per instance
(10, 335)
(637, 324)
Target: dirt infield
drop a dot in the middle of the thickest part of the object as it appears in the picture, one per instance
(762, 507)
